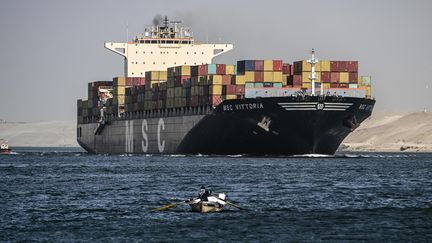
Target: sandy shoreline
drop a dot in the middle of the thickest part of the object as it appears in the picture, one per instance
(383, 132)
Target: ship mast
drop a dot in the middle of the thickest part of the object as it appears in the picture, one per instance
(312, 76)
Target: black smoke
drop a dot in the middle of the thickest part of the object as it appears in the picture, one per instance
(157, 19)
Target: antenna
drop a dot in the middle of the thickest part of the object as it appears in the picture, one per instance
(127, 31)
(312, 76)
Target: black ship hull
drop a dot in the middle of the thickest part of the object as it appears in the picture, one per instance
(277, 126)
(259, 126)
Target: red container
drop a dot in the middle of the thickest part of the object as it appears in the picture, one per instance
(221, 69)
(334, 85)
(226, 79)
(194, 100)
(297, 80)
(202, 70)
(339, 66)
(286, 69)
(353, 78)
(343, 85)
(353, 66)
(129, 81)
(277, 65)
(215, 100)
(240, 89)
(334, 77)
(259, 65)
(230, 89)
(325, 77)
(259, 76)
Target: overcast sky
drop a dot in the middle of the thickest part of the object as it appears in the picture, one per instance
(50, 50)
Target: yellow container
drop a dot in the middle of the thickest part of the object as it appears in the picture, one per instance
(306, 67)
(326, 85)
(277, 77)
(344, 77)
(170, 103)
(306, 85)
(163, 75)
(230, 69)
(215, 90)
(249, 76)
(183, 70)
(239, 80)
(215, 79)
(368, 91)
(231, 97)
(120, 99)
(170, 92)
(305, 77)
(203, 80)
(178, 92)
(324, 66)
(268, 65)
(119, 81)
(268, 76)
(119, 90)
(195, 81)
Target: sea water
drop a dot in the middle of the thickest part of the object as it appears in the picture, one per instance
(74, 196)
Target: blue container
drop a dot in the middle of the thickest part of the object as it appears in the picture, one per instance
(268, 84)
(211, 68)
(250, 65)
(245, 65)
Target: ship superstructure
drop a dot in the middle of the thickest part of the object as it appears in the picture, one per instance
(165, 46)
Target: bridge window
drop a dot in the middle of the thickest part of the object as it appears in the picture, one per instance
(136, 52)
(154, 42)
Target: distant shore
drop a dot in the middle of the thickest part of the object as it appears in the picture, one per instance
(383, 132)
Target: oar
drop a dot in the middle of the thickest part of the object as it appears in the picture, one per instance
(232, 204)
(168, 206)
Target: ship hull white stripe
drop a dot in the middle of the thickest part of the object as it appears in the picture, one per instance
(337, 103)
(298, 103)
(334, 109)
(298, 106)
(300, 109)
(338, 106)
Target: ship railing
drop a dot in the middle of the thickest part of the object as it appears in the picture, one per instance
(155, 113)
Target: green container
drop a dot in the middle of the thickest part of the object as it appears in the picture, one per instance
(277, 85)
(249, 85)
(211, 68)
(259, 85)
(366, 81)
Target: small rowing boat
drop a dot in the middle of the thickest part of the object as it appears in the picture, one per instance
(214, 203)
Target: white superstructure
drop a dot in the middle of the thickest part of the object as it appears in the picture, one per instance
(164, 46)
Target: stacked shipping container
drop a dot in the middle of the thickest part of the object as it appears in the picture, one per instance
(209, 84)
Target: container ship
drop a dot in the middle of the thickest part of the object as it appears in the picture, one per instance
(173, 100)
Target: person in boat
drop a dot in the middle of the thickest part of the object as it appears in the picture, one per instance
(204, 193)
